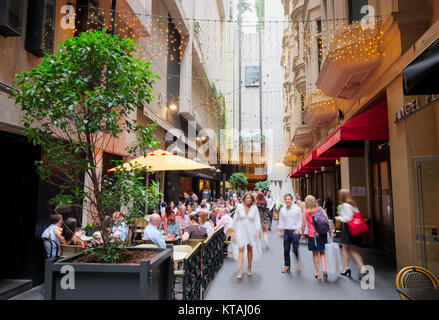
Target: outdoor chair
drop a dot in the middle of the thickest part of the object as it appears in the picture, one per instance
(227, 241)
(414, 277)
(50, 244)
(69, 250)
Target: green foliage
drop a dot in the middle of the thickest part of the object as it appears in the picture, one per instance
(263, 185)
(75, 103)
(238, 180)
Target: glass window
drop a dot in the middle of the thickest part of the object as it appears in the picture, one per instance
(428, 219)
(10, 17)
(355, 9)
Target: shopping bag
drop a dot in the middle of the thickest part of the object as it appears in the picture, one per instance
(357, 226)
(333, 263)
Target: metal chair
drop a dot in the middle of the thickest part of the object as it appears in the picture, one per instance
(227, 241)
(49, 245)
(415, 277)
(69, 250)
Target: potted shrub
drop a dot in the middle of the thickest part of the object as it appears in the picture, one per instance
(76, 103)
(238, 181)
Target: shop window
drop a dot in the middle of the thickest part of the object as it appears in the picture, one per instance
(11, 14)
(40, 35)
(355, 9)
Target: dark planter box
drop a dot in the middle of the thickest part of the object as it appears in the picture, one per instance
(150, 280)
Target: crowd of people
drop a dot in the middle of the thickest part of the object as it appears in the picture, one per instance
(249, 215)
(298, 221)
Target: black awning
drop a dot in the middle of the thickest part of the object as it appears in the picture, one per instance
(422, 75)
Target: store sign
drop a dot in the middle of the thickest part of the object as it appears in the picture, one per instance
(414, 106)
(358, 191)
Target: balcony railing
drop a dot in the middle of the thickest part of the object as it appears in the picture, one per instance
(353, 55)
(320, 110)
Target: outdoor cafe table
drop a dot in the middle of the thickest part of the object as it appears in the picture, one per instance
(419, 294)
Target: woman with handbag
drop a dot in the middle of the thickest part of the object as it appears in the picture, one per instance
(348, 241)
(316, 241)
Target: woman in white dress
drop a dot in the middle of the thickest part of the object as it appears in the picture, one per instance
(247, 233)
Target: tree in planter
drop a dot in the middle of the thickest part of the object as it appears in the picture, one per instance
(238, 181)
(75, 103)
(263, 185)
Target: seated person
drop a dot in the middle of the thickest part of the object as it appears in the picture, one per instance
(194, 230)
(51, 242)
(152, 232)
(120, 226)
(181, 218)
(202, 220)
(189, 210)
(203, 208)
(173, 227)
(224, 220)
(66, 234)
(114, 234)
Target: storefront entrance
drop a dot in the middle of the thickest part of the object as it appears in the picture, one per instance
(427, 226)
(382, 204)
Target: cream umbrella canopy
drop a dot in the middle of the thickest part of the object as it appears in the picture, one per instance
(161, 160)
(277, 189)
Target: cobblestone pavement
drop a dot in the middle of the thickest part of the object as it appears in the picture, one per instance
(268, 283)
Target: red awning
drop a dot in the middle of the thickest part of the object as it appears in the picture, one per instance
(348, 140)
(370, 125)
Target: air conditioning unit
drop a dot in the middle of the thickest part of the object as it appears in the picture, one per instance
(11, 13)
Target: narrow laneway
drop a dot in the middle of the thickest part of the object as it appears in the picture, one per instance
(269, 283)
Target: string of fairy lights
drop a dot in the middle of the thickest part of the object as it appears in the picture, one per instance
(164, 39)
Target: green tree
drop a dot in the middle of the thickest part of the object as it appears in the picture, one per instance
(75, 103)
(238, 181)
(263, 185)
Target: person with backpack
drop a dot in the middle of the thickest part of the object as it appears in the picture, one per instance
(318, 227)
(348, 241)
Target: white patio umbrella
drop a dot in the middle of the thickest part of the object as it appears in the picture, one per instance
(283, 190)
(289, 188)
(272, 187)
(276, 190)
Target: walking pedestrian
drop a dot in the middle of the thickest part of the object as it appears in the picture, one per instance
(348, 208)
(261, 203)
(290, 222)
(270, 206)
(247, 233)
(316, 242)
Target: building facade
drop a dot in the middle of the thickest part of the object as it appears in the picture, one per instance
(186, 101)
(362, 126)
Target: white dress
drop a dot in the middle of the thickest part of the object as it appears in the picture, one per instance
(245, 227)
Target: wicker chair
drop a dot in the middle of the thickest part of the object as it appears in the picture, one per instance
(415, 278)
(227, 241)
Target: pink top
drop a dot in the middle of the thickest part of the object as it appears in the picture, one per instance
(226, 221)
(309, 216)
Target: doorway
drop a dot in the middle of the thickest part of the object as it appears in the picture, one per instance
(382, 201)
(427, 226)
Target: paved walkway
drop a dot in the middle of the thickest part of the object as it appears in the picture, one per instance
(268, 283)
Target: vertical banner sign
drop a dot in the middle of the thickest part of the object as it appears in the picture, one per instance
(229, 93)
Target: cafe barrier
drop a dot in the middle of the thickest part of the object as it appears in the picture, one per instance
(192, 275)
(213, 257)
